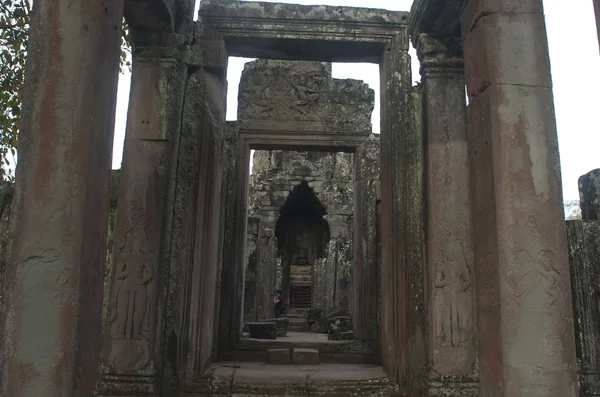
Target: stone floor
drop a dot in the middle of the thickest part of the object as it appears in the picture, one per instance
(349, 351)
(258, 379)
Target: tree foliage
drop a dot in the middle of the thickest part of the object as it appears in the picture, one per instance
(15, 16)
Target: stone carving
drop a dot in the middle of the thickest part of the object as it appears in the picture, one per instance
(533, 282)
(130, 308)
(293, 91)
(133, 272)
(453, 301)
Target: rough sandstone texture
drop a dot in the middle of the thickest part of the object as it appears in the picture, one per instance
(527, 343)
(52, 300)
(589, 195)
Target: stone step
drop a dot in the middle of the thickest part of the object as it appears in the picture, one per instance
(254, 379)
(303, 356)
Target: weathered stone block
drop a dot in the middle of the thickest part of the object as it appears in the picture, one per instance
(301, 356)
(340, 324)
(278, 356)
(263, 330)
(313, 315)
(283, 325)
(321, 326)
(589, 195)
(517, 55)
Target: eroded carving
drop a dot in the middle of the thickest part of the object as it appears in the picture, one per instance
(133, 272)
(533, 282)
(453, 301)
(293, 91)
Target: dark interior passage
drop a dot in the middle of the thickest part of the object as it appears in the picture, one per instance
(302, 234)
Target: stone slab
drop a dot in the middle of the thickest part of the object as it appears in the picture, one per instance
(263, 330)
(301, 356)
(278, 356)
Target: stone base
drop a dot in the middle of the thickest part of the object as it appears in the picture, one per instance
(453, 387)
(263, 330)
(125, 385)
(278, 356)
(305, 356)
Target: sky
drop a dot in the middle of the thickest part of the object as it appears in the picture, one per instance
(575, 62)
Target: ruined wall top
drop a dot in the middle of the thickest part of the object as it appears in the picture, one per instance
(284, 91)
(589, 195)
(236, 8)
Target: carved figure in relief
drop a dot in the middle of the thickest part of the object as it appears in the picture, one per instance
(257, 93)
(533, 283)
(305, 96)
(453, 302)
(132, 273)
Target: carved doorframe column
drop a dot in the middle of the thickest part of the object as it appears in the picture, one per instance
(450, 269)
(365, 269)
(519, 229)
(132, 351)
(55, 263)
(403, 336)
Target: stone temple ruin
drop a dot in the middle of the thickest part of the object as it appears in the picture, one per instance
(461, 279)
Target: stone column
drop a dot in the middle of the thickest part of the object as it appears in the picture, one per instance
(402, 310)
(365, 278)
(197, 224)
(131, 360)
(584, 257)
(450, 267)
(522, 275)
(266, 270)
(589, 195)
(55, 263)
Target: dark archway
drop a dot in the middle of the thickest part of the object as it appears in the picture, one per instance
(302, 234)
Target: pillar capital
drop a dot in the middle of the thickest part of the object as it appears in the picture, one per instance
(438, 56)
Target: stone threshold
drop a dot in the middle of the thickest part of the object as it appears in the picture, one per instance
(259, 379)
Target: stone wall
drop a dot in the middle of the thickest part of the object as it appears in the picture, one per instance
(584, 258)
(275, 175)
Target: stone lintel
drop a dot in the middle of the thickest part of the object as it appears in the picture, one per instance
(289, 31)
(589, 195)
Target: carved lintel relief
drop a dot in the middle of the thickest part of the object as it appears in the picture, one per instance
(271, 90)
(453, 301)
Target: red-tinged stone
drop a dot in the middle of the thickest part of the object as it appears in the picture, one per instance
(55, 264)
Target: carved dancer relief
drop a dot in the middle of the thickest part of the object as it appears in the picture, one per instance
(130, 305)
(270, 95)
(453, 301)
(533, 281)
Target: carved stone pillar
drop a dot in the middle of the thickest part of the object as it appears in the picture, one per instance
(402, 311)
(450, 267)
(584, 258)
(198, 222)
(131, 358)
(365, 278)
(522, 275)
(266, 270)
(589, 195)
(55, 262)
